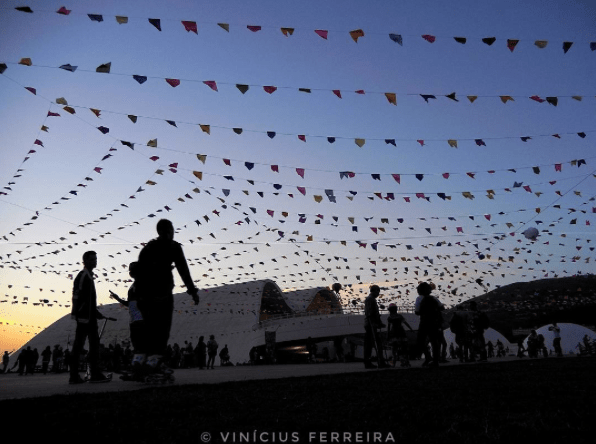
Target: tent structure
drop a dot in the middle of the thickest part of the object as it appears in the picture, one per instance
(571, 336)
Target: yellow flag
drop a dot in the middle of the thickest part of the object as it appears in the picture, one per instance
(206, 128)
(202, 157)
(392, 98)
(150, 182)
(25, 61)
(505, 99)
(541, 43)
(61, 101)
(472, 98)
(152, 143)
(69, 109)
(287, 31)
(198, 175)
(309, 238)
(95, 111)
(360, 142)
(121, 19)
(578, 98)
(452, 143)
(318, 199)
(225, 26)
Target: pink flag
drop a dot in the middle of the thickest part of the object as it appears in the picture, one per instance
(360, 91)
(558, 167)
(460, 230)
(445, 175)
(270, 89)
(190, 26)
(154, 158)
(300, 172)
(322, 33)
(275, 168)
(397, 177)
(302, 137)
(173, 82)
(302, 190)
(421, 142)
(97, 170)
(211, 84)
(38, 142)
(254, 28)
(337, 92)
(429, 38)
(31, 89)
(63, 11)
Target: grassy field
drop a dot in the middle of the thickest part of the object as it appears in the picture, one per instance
(549, 400)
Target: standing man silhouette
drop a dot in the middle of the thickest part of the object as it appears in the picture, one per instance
(154, 288)
(84, 311)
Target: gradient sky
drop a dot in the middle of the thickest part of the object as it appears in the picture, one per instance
(52, 213)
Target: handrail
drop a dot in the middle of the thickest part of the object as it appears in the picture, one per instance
(342, 312)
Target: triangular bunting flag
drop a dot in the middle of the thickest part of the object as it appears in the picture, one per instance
(397, 38)
(105, 68)
(156, 23)
(225, 26)
(190, 26)
(205, 128)
(242, 88)
(287, 31)
(356, 34)
(321, 33)
(211, 84)
(511, 44)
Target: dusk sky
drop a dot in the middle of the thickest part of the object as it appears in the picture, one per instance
(307, 142)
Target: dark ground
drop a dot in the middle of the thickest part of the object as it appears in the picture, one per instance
(547, 400)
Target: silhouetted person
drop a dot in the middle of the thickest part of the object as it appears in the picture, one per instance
(557, 339)
(84, 311)
(396, 336)
(212, 347)
(154, 287)
(372, 324)
(5, 361)
(201, 353)
(430, 324)
(46, 354)
(138, 335)
(480, 323)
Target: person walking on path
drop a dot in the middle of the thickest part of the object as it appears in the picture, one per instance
(154, 288)
(85, 313)
(372, 322)
(431, 320)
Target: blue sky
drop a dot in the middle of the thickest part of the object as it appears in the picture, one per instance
(441, 238)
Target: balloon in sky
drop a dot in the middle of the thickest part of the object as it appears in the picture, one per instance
(531, 233)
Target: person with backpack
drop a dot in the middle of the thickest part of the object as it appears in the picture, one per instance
(212, 347)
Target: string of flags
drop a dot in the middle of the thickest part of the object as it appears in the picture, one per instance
(192, 27)
(391, 97)
(360, 142)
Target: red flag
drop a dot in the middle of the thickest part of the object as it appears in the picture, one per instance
(275, 168)
(302, 137)
(211, 84)
(173, 82)
(270, 89)
(63, 11)
(300, 172)
(190, 26)
(322, 33)
(429, 38)
(337, 92)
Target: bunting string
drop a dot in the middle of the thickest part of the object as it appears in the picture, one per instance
(191, 26)
(390, 97)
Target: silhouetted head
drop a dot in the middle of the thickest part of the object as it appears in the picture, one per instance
(165, 229)
(90, 259)
(424, 289)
